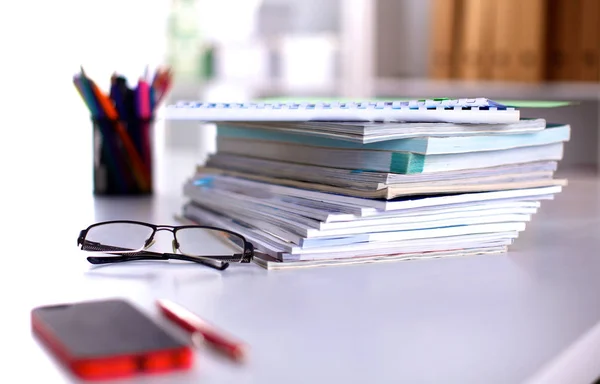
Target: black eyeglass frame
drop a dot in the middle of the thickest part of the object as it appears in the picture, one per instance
(217, 262)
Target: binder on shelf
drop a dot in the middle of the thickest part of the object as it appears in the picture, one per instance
(486, 47)
(504, 63)
(563, 39)
(530, 41)
(444, 26)
(471, 40)
(589, 49)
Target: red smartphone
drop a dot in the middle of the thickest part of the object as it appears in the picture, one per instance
(105, 339)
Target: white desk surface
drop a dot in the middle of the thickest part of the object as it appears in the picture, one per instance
(492, 319)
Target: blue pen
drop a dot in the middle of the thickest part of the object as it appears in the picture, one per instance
(152, 98)
(135, 120)
(118, 99)
(119, 93)
(109, 147)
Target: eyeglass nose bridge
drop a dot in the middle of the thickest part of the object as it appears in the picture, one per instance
(165, 228)
(150, 241)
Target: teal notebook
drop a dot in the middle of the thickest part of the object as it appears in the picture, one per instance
(554, 133)
(385, 161)
(373, 132)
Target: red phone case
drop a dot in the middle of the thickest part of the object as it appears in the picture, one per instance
(107, 339)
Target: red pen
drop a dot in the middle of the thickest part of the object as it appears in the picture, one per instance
(194, 324)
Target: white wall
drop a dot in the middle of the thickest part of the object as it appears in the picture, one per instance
(42, 45)
(310, 16)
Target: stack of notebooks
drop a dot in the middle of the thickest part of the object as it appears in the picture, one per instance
(344, 183)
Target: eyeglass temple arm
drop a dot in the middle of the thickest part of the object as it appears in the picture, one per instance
(217, 262)
(99, 247)
(219, 265)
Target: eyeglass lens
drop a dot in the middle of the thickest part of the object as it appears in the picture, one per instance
(125, 236)
(133, 237)
(207, 242)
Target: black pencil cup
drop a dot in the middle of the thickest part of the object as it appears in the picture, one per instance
(122, 156)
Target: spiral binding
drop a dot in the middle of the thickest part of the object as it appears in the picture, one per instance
(427, 104)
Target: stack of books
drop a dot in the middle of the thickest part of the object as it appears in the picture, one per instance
(415, 179)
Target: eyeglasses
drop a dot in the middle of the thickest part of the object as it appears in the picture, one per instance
(129, 241)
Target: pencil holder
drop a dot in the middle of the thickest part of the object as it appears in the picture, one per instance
(122, 156)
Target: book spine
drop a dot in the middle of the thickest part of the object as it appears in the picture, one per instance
(531, 41)
(589, 49)
(443, 29)
(470, 40)
(486, 46)
(504, 67)
(563, 39)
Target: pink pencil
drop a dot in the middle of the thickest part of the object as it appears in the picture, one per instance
(145, 113)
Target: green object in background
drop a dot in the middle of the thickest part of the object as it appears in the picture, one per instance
(207, 65)
(536, 103)
(184, 41)
(512, 103)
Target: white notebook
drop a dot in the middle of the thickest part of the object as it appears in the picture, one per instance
(271, 257)
(475, 111)
(369, 133)
(356, 205)
(282, 247)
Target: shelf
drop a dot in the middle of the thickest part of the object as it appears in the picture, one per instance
(421, 88)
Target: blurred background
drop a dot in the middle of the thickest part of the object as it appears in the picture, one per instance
(239, 50)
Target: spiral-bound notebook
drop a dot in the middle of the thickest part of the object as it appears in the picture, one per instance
(467, 111)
